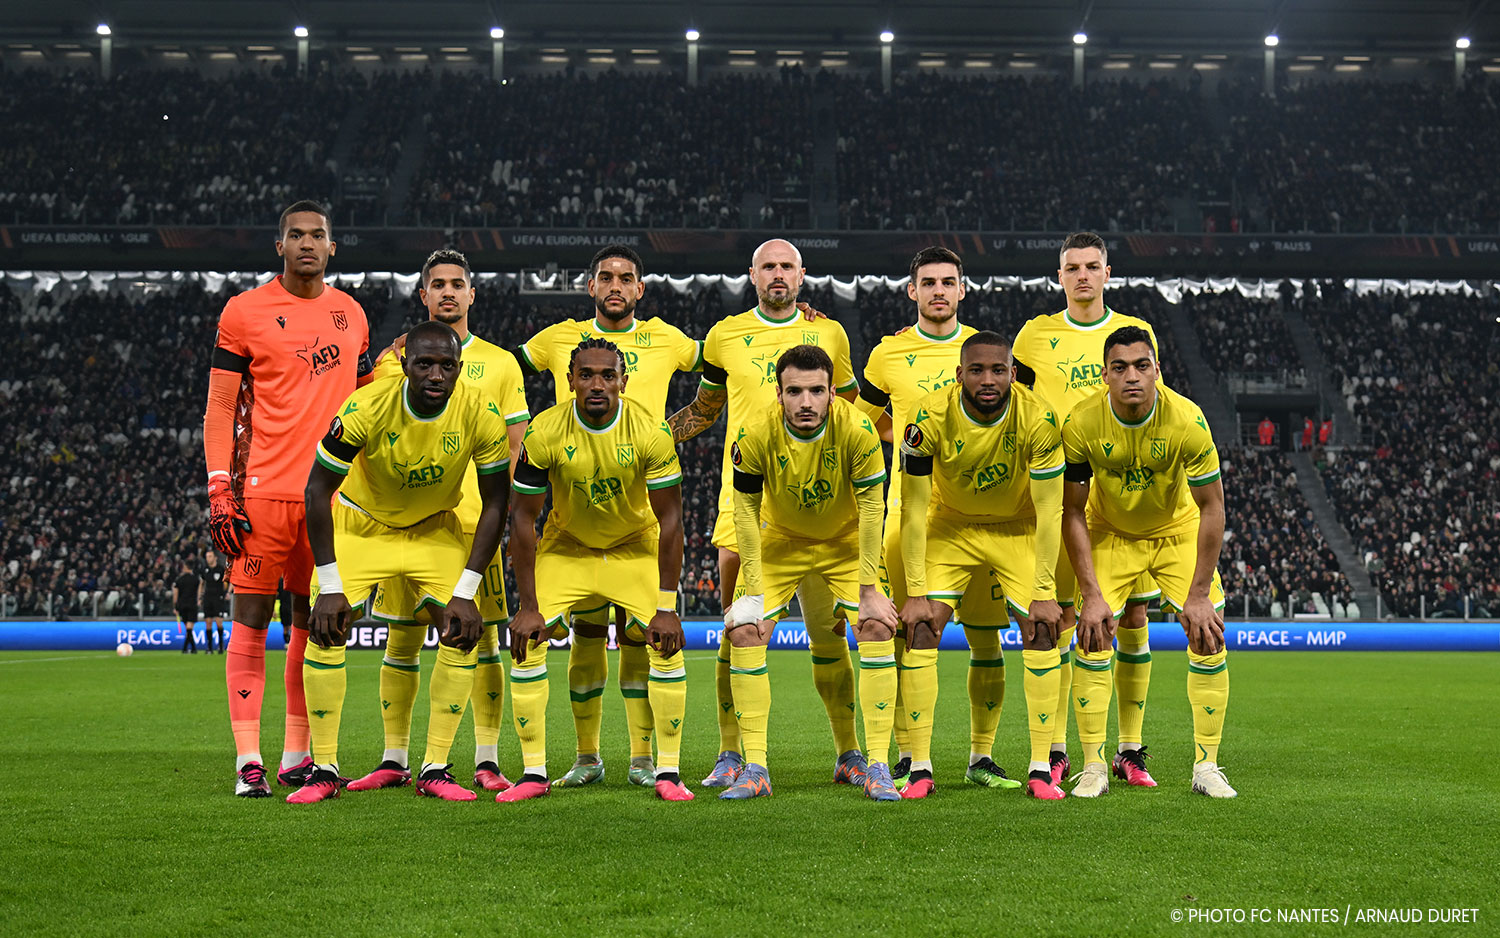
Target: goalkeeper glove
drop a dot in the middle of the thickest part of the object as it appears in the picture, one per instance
(226, 518)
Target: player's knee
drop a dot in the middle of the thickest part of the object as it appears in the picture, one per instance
(1134, 616)
(253, 610)
(747, 636)
(873, 630)
(590, 630)
(923, 636)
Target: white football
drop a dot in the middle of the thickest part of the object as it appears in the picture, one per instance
(124, 649)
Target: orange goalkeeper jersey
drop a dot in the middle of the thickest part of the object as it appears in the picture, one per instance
(300, 360)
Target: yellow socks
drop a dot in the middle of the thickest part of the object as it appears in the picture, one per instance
(986, 687)
(588, 669)
(668, 699)
(452, 681)
(902, 727)
(1208, 695)
(1064, 689)
(634, 668)
(324, 682)
(752, 699)
(400, 677)
(1040, 684)
(833, 676)
(488, 697)
(729, 727)
(919, 675)
(1091, 693)
(528, 705)
(877, 696)
(1132, 679)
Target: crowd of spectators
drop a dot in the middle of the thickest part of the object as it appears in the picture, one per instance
(167, 146)
(610, 150)
(1019, 154)
(1421, 495)
(1243, 335)
(1366, 155)
(1274, 557)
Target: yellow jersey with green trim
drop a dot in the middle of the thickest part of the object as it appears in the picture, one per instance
(495, 372)
(1068, 357)
(982, 470)
(810, 481)
(901, 370)
(600, 476)
(1142, 471)
(740, 354)
(401, 467)
(654, 350)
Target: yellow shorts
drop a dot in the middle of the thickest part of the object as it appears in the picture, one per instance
(571, 577)
(1144, 590)
(427, 557)
(1122, 564)
(836, 563)
(979, 606)
(396, 603)
(980, 569)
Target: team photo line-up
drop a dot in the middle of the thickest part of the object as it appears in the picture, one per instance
(1053, 479)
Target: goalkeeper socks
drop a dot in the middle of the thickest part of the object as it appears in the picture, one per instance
(729, 727)
(295, 747)
(833, 676)
(325, 680)
(245, 676)
(1040, 685)
(920, 675)
(901, 729)
(752, 699)
(528, 705)
(1064, 689)
(1208, 695)
(588, 669)
(877, 696)
(1091, 692)
(487, 700)
(400, 677)
(635, 666)
(668, 700)
(452, 681)
(986, 687)
(1132, 679)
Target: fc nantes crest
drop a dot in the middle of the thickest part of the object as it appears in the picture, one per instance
(625, 454)
(475, 370)
(450, 442)
(1158, 448)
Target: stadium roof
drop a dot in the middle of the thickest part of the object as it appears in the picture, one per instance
(1229, 25)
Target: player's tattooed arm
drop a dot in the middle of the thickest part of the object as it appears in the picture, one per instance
(698, 415)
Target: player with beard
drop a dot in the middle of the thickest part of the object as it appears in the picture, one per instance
(653, 351)
(739, 370)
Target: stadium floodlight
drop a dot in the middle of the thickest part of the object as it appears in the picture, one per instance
(887, 36)
(1462, 43)
(497, 33)
(103, 29)
(1080, 39)
(1272, 41)
(692, 35)
(300, 32)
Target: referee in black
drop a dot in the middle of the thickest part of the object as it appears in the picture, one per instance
(211, 598)
(185, 603)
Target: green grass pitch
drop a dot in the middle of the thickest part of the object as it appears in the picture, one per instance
(1366, 780)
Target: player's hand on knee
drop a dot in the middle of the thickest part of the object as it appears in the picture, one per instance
(526, 629)
(328, 623)
(227, 521)
(462, 624)
(1046, 622)
(916, 610)
(665, 633)
(747, 610)
(1096, 625)
(1204, 626)
(875, 606)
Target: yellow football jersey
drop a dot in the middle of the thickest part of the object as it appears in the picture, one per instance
(654, 350)
(982, 472)
(809, 482)
(741, 352)
(599, 477)
(1068, 357)
(495, 372)
(1142, 471)
(401, 467)
(902, 369)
